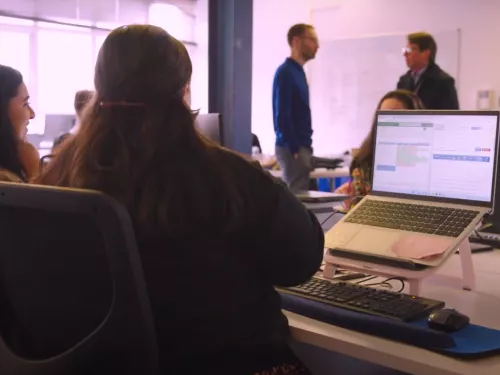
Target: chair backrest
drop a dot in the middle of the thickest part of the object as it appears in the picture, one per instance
(210, 126)
(44, 160)
(73, 298)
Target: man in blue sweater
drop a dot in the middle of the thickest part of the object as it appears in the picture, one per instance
(291, 111)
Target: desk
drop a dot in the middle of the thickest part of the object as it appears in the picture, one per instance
(322, 207)
(266, 161)
(482, 306)
(321, 173)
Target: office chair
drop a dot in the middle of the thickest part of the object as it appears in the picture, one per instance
(72, 294)
(44, 160)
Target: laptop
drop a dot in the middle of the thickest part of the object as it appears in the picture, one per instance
(433, 180)
(320, 197)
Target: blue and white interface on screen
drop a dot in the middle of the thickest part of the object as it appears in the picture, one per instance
(437, 155)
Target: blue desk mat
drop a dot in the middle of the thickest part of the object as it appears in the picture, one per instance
(472, 341)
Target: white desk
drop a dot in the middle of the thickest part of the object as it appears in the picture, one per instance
(482, 306)
(321, 173)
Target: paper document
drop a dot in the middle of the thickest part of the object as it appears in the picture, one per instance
(415, 246)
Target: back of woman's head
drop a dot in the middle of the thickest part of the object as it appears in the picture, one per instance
(10, 81)
(138, 142)
(393, 100)
(142, 64)
(405, 98)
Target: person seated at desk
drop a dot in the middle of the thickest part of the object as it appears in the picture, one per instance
(19, 160)
(215, 232)
(82, 98)
(361, 165)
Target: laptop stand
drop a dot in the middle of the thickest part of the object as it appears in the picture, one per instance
(412, 277)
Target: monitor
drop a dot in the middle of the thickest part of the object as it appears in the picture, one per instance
(210, 126)
(448, 155)
(56, 125)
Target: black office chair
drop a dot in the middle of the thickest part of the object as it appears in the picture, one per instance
(72, 294)
(44, 160)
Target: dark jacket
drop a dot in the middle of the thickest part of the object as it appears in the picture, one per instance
(435, 88)
(213, 298)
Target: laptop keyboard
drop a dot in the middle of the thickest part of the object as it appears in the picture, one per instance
(443, 221)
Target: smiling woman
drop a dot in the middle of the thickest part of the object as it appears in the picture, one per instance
(16, 155)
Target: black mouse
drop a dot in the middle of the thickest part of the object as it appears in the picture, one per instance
(447, 320)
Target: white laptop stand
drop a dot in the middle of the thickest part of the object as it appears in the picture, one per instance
(414, 278)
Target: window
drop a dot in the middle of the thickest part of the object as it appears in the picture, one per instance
(181, 26)
(99, 41)
(15, 51)
(58, 60)
(65, 65)
(173, 20)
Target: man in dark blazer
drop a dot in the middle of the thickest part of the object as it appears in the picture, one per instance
(434, 87)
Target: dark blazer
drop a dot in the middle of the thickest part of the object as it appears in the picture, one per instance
(435, 88)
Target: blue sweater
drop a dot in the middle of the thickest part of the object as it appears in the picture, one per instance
(291, 111)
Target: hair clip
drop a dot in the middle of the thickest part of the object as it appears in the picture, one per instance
(120, 104)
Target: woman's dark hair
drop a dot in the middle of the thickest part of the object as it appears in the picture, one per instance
(138, 142)
(59, 140)
(364, 157)
(10, 80)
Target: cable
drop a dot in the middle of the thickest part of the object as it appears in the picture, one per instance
(354, 201)
(385, 283)
(482, 227)
(366, 279)
(478, 235)
(330, 216)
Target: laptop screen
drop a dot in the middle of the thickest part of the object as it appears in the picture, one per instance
(439, 154)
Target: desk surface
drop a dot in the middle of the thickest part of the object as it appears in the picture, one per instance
(482, 306)
(321, 173)
(266, 161)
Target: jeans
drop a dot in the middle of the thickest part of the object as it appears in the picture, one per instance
(296, 170)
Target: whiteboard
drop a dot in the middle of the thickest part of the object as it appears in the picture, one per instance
(348, 77)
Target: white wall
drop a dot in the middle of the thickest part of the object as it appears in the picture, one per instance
(479, 21)
(271, 21)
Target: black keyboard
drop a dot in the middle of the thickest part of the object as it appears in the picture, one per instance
(365, 299)
(443, 221)
(485, 238)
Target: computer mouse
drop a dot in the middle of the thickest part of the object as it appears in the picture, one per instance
(447, 320)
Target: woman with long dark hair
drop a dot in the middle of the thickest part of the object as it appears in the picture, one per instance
(18, 158)
(361, 165)
(214, 231)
